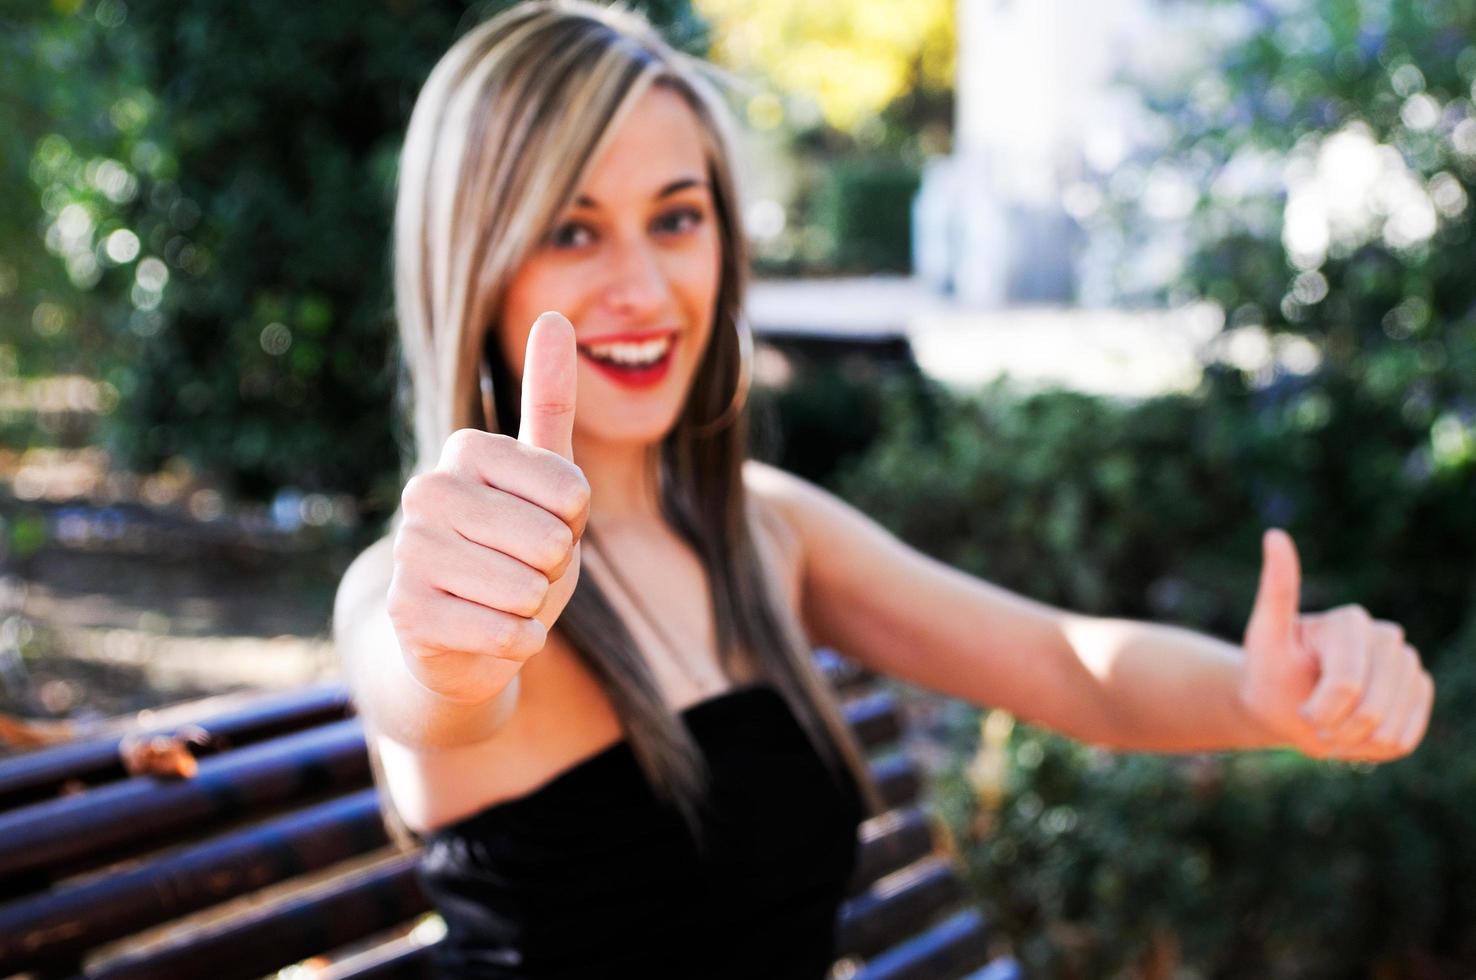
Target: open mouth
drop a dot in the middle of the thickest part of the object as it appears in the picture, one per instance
(632, 362)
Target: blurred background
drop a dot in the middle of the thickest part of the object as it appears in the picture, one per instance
(1076, 296)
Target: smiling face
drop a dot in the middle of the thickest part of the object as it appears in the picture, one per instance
(635, 265)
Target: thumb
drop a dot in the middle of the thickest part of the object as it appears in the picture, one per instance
(1278, 598)
(547, 414)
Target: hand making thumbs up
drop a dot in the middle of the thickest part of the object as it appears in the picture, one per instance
(487, 553)
(1338, 684)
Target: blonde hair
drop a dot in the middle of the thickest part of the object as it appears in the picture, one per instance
(498, 142)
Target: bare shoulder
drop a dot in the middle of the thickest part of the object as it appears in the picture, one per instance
(804, 506)
(775, 498)
(780, 492)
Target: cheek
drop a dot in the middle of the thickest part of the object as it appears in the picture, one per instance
(530, 291)
(697, 279)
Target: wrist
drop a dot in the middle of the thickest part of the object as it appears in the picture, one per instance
(1257, 730)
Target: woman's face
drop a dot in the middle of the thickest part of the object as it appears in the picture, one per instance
(634, 264)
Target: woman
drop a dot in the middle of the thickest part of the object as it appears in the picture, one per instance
(663, 785)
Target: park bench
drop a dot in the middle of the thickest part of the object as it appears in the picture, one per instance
(273, 854)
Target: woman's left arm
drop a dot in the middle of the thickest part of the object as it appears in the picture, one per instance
(1119, 683)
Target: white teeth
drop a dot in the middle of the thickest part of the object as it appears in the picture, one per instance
(634, 354)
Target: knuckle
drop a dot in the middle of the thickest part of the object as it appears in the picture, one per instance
(573, 492)
(534, 593)
(558, 544)
(460, 442)
(501, 636)
(410, 495)
(1391, 634)
(394, 606)
(422, 490)
(1346, 689)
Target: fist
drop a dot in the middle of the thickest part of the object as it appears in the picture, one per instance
(487, 552)
(1338, 684)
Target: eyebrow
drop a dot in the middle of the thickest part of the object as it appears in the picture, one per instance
(670, 189)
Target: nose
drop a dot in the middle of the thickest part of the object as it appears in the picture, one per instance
(637, 283)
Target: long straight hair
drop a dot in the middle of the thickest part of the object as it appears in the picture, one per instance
(500, 137)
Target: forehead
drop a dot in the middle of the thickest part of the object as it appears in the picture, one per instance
(657, 141)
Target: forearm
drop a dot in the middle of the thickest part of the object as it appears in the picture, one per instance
(1163, 688)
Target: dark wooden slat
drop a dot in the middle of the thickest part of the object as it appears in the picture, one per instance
(79, 832)
(888, 843)
(400, 959)
(898, 778)
(40, 775)
(875, 718)
(947, 951)
(897, 907)
(841, 672)
(57, 926)
(1004, 968)
(264, 940)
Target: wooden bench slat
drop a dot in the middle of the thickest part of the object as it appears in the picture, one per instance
(1003, 968)
(401, 959)
(841, 672)
(875, 718)
(888, 843)
(947, 951)
(40, 775)
(261, 941)
(896, 907)
(54, 927)
(79, 832)
(898, 778)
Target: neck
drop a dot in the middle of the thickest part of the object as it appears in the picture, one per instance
(623, 480)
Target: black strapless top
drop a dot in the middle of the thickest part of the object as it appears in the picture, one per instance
(592, 875)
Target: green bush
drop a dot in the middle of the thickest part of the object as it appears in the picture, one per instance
(262, 139)
(864, 210)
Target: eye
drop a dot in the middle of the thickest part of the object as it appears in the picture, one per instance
(680, 220)
(566, 235)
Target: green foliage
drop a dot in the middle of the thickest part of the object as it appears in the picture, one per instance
(830, 408)
(865, 210)
(252, 334)
(1372, 106)
(73, 138)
